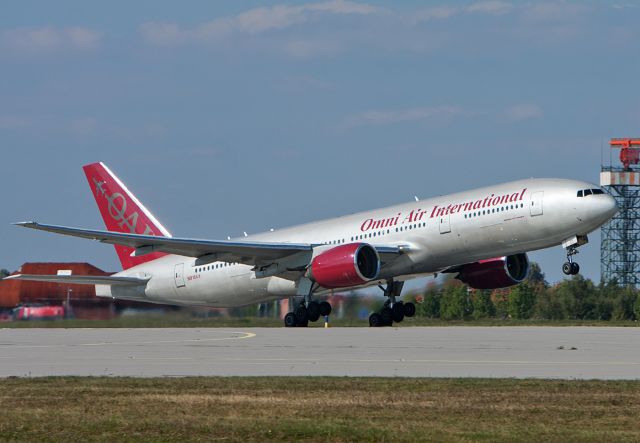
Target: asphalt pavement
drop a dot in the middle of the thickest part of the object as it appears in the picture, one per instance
(518, 352)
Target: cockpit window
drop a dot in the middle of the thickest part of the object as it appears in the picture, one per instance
(586, 192)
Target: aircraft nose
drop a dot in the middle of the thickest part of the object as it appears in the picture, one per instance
(609, 207)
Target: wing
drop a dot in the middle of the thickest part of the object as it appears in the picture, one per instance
(232, 251)
(81, 279)
(292, 257)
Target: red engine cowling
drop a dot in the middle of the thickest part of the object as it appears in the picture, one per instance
(345, 265)
(495, 273)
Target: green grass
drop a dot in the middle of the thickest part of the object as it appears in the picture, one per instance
(180, 320)
(317, 409)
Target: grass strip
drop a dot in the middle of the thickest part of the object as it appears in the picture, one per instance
(317, 409)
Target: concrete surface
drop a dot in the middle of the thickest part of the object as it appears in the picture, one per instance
(546, 352)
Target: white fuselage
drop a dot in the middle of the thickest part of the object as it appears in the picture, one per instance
(439, 233)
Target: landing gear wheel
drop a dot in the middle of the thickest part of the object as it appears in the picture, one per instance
(302, 316)
(290, 320)
(409, 309)
(325, 308)
(397, 312)
(575, 268)
(386, 315)
(566, 268)
(313, 311)
(375, 320)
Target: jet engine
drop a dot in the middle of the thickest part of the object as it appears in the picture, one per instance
(347, 265)
(495, 273)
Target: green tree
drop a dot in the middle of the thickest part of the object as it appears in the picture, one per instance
(4, 273)
(548, 306)
(455, 302)
(624, 304)
(500, 299)
(522, 299)
(430, 306)
(536, 276)
(636, 308)
(482, 305)
(579, 297)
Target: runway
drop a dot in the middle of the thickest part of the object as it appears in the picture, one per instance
(520, 352)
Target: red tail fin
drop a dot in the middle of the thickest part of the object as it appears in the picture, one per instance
(122, 212)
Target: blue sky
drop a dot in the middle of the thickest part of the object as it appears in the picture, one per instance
(226, 117)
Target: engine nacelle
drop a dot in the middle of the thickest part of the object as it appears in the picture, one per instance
(495, 273)
(345, 265)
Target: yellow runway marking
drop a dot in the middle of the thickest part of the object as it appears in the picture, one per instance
(149, 342)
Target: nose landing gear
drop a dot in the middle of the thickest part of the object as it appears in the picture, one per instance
(570, 267)
(571, 245)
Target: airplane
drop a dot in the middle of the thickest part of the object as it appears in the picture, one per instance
(482, 236)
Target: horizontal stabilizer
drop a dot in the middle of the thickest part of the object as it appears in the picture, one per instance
(81, 279)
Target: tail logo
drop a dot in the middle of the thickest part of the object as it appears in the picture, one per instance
(117, 207)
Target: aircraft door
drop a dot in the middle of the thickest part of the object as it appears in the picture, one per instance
(179, 275)
(536, 203)
(445, 224)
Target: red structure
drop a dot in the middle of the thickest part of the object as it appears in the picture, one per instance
(629, 150)
(81, 298)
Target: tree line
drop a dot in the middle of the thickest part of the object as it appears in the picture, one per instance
(577, 298)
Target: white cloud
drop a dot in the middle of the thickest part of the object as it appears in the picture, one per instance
(264, 19)
(489, 7)
(344, 7)
(436, 13)
(385, 117)
(492, 7)
(553, 11)
(524, 111)
(162, 34)
(49, 38)
(253, 21)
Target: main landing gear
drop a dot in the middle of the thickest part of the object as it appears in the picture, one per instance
(305, 312)
(392, 311)
(571, 245)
